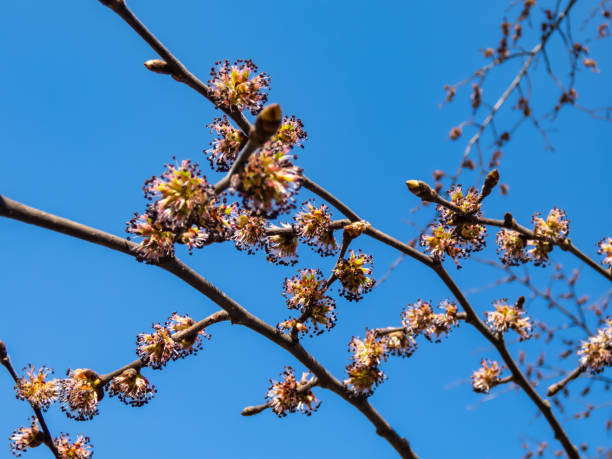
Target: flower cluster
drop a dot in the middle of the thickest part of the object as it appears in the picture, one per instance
(26, 437)
(80, 394)
(419, 318)
(353, 274)
(597, 351)
(306, 293)
(268, 182)
(290, 134)
(512, 245)
(131, 388)
(364, 371)
(249, 232)
(554, 229)
(313, 225)
(452, 235)
(289, 395)
(486, 377)
(605, 248)
(158, 348)
(506, 317)
(281, 248)
(237, 85)
(36, 389)
(225, 148)
(185, 210)
(79, 449)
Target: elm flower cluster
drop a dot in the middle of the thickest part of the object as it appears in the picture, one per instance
(306, 292)
(290, 134)
(36, 389)
(268, 182)
(353, 274)
(281, 248)
(237, 85)
(26, 437)
(511, 247)
(452, 235)
(289, 396)
(80, 394)
(226, 146)
(184, 209)
(605, 248)
(597, 351)
(419, 318)
(79, 449)
(364, 371)
(506, 317)
(486, 377)
(131, 388)
(249, 232)
(158, 348)
(555, 228)
(313, 226)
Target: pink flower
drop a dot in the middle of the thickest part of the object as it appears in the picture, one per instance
(36, 389)
(353, 274)
(507, 317)
(249, 232)
(26, 437)
(157, 242)
(131, 388)
(313, 225)
(79, 449)
(225, 148)
(235, 86)
(605, 248)
(282, 248)
(511, 247)
(486, 377)
(289, 395)
(597, 351)
(80, 394)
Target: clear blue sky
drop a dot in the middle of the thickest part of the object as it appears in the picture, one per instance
(84, 124)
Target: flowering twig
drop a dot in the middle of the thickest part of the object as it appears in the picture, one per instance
(256, 409)
(238, 314)
(48, 439)
(217, 317)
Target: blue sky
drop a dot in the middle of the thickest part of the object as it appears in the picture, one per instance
(84, 124)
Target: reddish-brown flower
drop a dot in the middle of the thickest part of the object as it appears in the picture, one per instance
(290, 395)
(36, 389)
(237, 85)
(81, 448)
(353, 273)
(131, 388)
(80, 394)
(26, 437)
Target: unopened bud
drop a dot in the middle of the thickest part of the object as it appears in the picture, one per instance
(267, 123)
(490, 182)
(520, 301)
(158, 66)
(3, 353)
(421, 189)
(356, 229)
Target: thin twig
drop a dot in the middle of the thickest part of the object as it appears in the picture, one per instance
(553, 389)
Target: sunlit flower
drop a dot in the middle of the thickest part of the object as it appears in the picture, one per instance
(363, 378)
(26, 437)
(289, 396)
(605, 248)
(293, 324)
(80, 394)
(539, 251)
(237, 85)
(157, 348)
(282, 247)
(353, 274)
(441, 242)
(597, 351)
(486, 377)
(468, 202)
(555, 227)
(225, 148)
(216, 219)
(313, 225)
(421, 319)
(369, 351)
(157, 242)
(179, 191)
(290, 134)
(507, 317)
(81, 448)
(190, 345)
(511, 247)
(268, 182)
(399, 343)
(249, 232)
(35, 388)
(131, 388)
